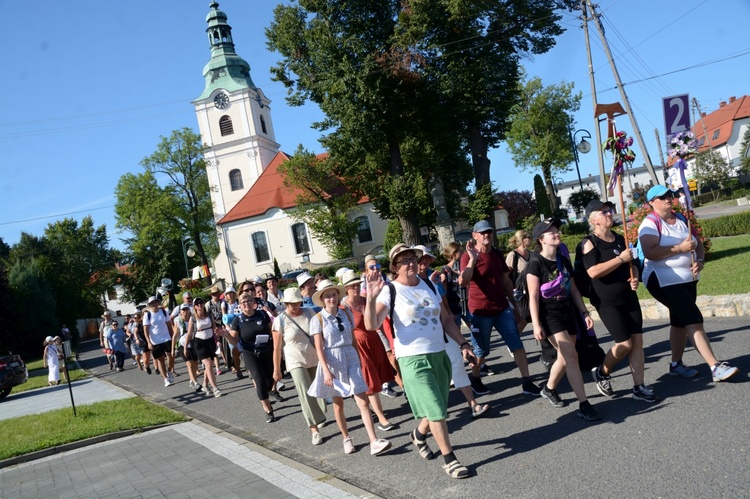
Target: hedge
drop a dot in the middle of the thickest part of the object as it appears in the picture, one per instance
(728, 225)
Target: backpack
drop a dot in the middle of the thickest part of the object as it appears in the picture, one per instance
(639, 258)
(580, 276)
(521, 294)
(148, 314)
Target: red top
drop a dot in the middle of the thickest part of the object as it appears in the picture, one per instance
(487, 287)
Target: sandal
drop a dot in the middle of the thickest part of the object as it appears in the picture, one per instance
(454, 469)
(479, 409)
(422, 447)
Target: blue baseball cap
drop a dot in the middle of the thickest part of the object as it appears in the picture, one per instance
(481, 226)
(656, 191)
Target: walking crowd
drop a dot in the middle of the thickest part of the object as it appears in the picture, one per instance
(386, 333)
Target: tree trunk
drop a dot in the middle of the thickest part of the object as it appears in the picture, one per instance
(479, 159)
(409, 226)
(549, 186)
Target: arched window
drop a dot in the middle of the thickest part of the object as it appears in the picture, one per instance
(260, 246)
(225, 125)
(299, 236)
(235, 180)
(263, 125)
(364, 234)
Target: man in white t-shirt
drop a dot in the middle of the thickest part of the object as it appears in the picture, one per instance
(158, 328)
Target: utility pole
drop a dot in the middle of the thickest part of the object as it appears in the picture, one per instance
(661, 152)
(599, 151)
(623, 95)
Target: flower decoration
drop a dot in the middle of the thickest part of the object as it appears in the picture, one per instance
(619, 146)
(682, 144)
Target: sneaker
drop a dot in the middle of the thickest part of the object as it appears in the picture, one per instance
(317, 439)
(277, 396)
(603, 383)
(191, 384)
(484, 370)
(379, 446)
(477, 386)
(170, 377)
(135, 363)
(552, 396)
(530, 388)
(217, 393)
(270, 418)
(168, 383)
(586, 411)
(240, 375)
(148, 370)
(682, 370)
(723, 371)
(198, 387)
(348, 445)
(280, 386)
(389, 392)
(118, 369)
(386, 427)
(640, 392)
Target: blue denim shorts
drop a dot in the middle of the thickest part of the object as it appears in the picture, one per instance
(504, 323)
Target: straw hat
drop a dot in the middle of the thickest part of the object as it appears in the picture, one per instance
(325, 285)
(350, 278)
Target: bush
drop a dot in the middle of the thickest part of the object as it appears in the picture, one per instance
(728, 225)
(571, 228)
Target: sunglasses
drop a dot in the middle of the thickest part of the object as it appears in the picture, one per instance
(341, 324)
(374, 266)
(606, 212)
(486, 232)
(407, 261)
(666, 196)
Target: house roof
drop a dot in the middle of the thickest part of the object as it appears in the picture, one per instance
(721, 121)
(267, 192)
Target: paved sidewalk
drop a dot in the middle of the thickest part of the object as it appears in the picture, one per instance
(85, 391)
(185, 460)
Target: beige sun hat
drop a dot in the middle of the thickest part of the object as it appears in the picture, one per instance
(325, 285)
(292, 295)
(350, 278)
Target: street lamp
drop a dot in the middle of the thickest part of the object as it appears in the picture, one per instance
(189, 252)
(583, 147)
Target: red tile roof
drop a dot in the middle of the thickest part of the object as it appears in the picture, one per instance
(722, 120)
(267, 192)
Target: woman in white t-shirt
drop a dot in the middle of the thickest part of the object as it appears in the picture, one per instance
(674, 260)
(420, 326)
(291, 337)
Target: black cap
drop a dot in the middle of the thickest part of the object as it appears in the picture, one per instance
(544, 226)
(596, 205)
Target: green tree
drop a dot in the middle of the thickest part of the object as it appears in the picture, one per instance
(711, 169)
(471, 51)
(539, 135)
(481, 205)
(324, 202)
(745, 153)
(33, 303)
(542, 202)
(393, 236)
(579, 199)
(164, 205)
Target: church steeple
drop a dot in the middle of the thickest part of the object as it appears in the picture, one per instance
(225, 70)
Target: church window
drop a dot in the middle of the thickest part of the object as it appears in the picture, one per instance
(225, 125)
(299, 236)
(260, 246)
(263, 125)
(364, 234)
(235, 180)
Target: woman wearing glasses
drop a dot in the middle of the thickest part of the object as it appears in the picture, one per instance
(339, 372)
(607, 262)
(201, 333)
(252, 329)
(420, 326)
(671, 276)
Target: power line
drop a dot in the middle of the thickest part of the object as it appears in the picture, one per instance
(56, 216)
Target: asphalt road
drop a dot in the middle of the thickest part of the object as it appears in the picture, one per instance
(694, 443)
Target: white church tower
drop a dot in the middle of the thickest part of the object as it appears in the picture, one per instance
(234, 119)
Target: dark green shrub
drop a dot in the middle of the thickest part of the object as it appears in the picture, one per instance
(728, 225)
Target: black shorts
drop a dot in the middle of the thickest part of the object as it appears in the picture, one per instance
(621, 320)
(160, 350)
(205, 349)
(679, 299)
(188, 354)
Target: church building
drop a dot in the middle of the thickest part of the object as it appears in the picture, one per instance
(247, 191)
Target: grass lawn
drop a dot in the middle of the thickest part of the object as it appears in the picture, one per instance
(38, 375)
(726, 270)
(42, 431)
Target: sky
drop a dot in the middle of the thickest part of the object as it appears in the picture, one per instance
(91, 86)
